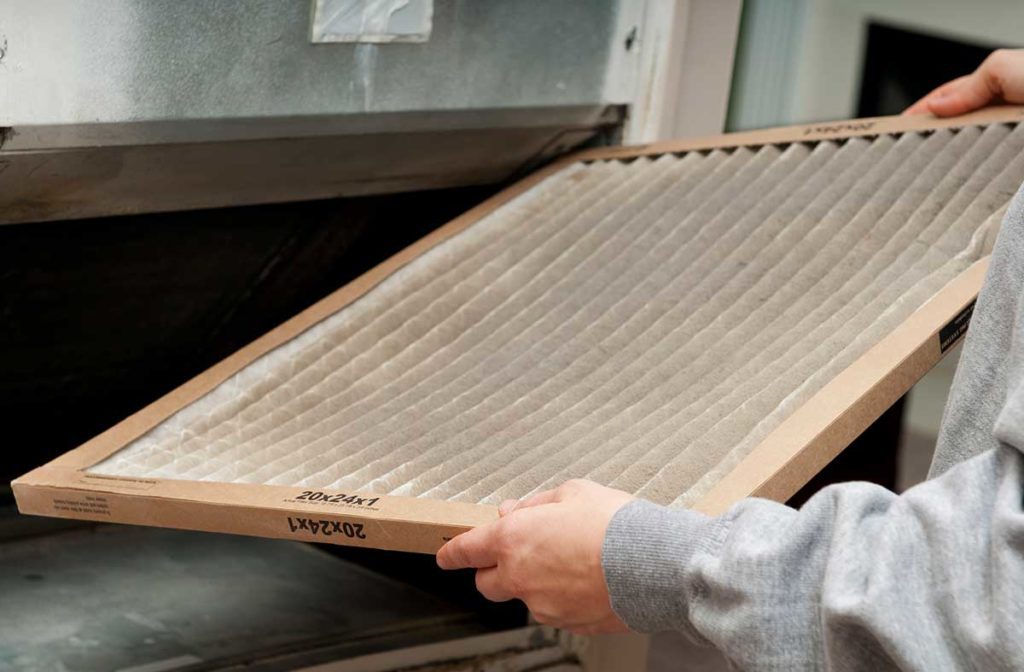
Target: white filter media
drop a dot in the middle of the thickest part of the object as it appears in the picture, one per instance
(643, 324)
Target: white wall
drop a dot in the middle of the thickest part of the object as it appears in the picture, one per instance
(677, 75)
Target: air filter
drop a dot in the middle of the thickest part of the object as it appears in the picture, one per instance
(690, 322)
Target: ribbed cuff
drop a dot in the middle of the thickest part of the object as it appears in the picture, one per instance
(645, 555)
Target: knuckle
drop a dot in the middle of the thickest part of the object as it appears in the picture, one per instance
(570, 487)
(508, 506)
(506, 541)
(582, 484)
(513, 536)
(516, 584)
(577, 488)
(998, 58)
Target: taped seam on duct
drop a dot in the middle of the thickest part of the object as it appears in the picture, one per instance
(642, 324)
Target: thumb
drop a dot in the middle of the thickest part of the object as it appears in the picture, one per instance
(962, 95)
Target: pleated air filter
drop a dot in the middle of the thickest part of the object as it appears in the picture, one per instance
(690, 322)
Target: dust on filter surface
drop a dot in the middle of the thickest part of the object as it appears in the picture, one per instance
(643, 324)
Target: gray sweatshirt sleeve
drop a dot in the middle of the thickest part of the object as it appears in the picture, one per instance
(859, 578)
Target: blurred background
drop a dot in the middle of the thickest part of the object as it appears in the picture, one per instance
(813, 60)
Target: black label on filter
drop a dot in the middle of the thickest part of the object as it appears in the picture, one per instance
(326, 528)
(955, 328)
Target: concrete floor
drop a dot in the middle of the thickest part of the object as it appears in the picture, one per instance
(124, 598)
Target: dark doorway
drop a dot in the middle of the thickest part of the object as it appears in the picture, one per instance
(903, 65)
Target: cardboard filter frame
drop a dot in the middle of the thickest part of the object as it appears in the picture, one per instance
(776, 468)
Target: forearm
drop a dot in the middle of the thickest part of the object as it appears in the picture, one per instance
(927, 580)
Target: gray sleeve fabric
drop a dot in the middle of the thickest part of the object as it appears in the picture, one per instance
(992, 354)
(859, 578)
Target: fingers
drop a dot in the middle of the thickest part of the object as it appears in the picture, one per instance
(476, 548)
(919, 107)
(491, 586)
(545, 497)
(922, 104)
(1000, 78)
(963, 94)
(559, 494)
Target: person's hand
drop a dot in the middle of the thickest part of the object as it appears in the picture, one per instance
(546, 551)
(999, 79)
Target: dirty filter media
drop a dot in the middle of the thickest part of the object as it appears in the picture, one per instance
(640, 323)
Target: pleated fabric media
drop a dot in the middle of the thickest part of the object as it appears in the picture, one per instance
(642, 323)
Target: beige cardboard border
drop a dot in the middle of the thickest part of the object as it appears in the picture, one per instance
(803, 444)
(867, 126)
(820, 429)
